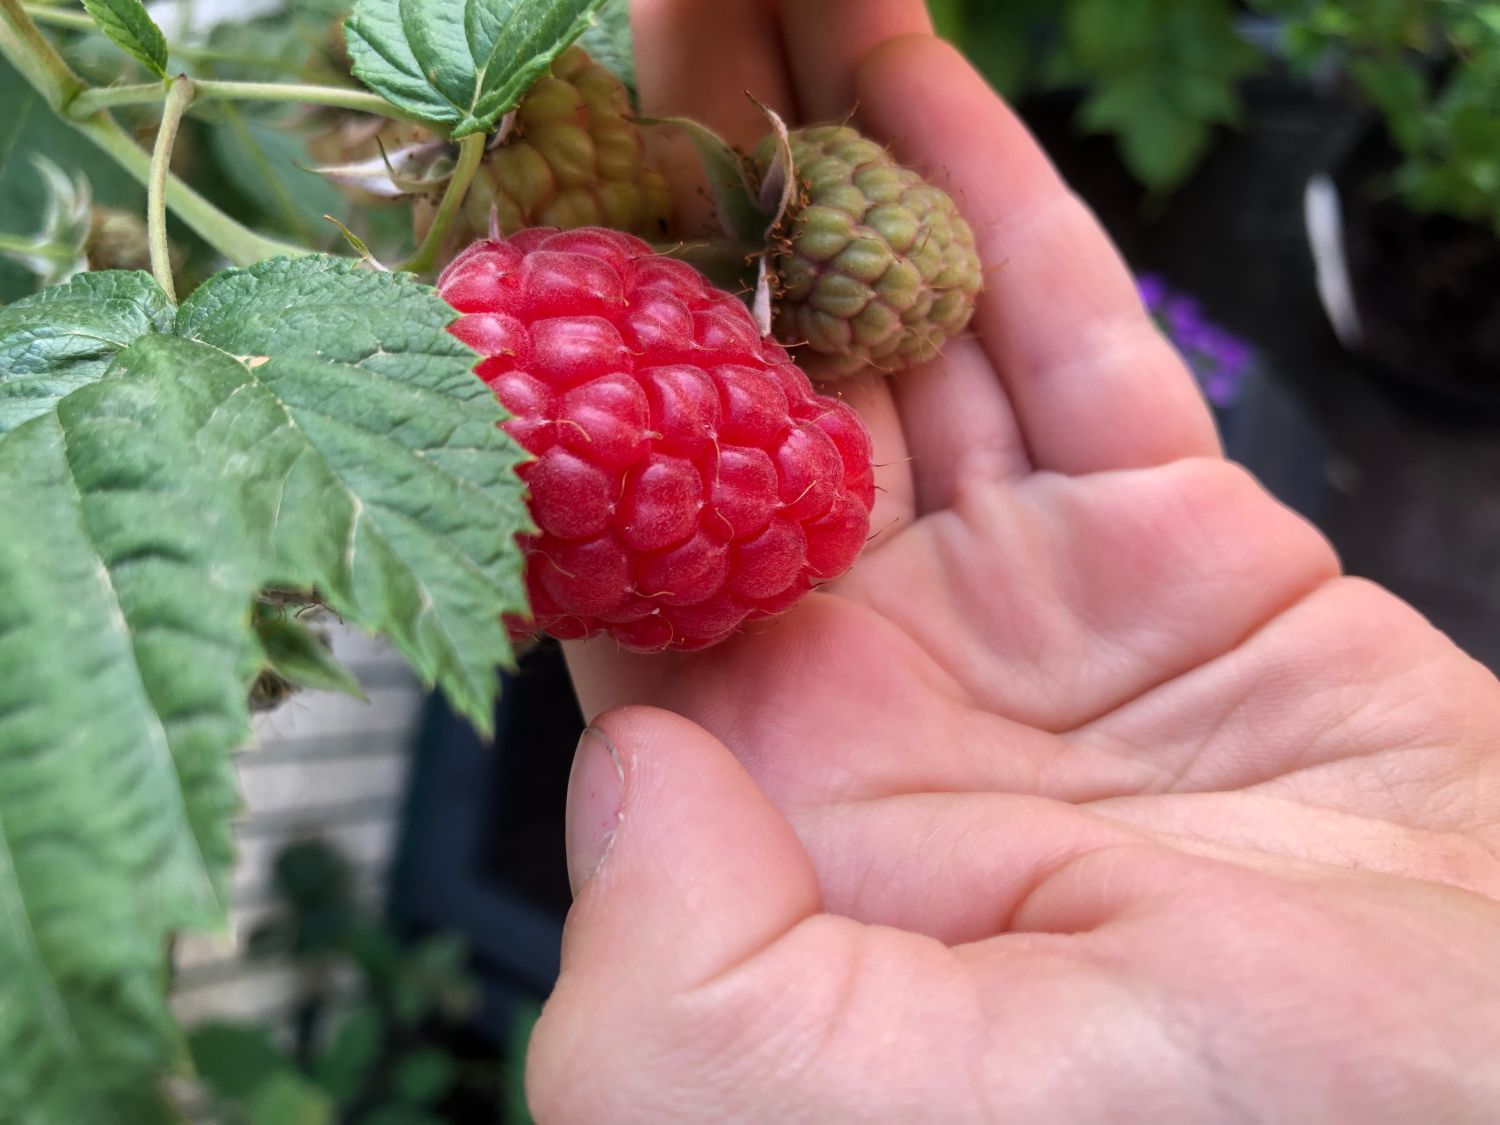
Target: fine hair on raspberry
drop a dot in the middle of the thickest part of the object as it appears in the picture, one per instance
(687, 477)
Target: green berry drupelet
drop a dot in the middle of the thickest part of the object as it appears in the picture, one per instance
(875, 267)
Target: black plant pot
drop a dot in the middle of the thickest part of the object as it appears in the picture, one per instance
(482, 841)
(1417, 295)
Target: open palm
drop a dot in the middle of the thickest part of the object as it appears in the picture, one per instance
(1091, 792)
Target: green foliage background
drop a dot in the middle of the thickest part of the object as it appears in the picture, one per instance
(1162, 75)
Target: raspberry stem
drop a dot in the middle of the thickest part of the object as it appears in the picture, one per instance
(179, 97)
(92, 100)
(28, 50)
(470, 154)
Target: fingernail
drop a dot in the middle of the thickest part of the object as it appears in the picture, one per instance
(596, 788)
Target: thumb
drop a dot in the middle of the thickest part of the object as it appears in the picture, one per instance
(680, 866)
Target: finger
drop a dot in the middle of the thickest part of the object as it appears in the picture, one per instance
(957, 424)
(680, 865)
(1093, 384)
(698, 983)
(682, 871)
(700, 60)
(826, 39)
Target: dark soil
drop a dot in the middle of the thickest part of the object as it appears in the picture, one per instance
(1427, 286)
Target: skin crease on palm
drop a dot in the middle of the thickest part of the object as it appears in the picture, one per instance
(1093, 792)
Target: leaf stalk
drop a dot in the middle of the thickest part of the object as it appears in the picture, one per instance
(91, 101)
(470, 154)
(179, 97)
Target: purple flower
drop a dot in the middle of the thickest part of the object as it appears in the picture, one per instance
(1153, 290)
(1219, 360)
(1185, 319)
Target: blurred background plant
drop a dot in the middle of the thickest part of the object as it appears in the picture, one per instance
(1161, 76)
(1432, 69)
(400, 1052)
(1158, 75)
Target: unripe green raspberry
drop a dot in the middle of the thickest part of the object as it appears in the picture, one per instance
(572, 159)
(875, 267)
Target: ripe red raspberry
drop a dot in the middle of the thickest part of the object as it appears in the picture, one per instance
(687, 477)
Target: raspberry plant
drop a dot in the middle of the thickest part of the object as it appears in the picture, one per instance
(178, 477)
(194, 453)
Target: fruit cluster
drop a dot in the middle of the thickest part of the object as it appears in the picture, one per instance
(687, 478)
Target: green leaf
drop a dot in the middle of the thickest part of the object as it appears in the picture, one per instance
(289, 1099)
(611, 45)
(127, 23)
(1160, 74)
(382, 478)
(296, 654)
(344, 1069)
(1161, 142)
(264, 161)
(462, 64)
(124, 661)
(66, 337)
(234, 1060)
(423, 1076)
(369, 456)
(302, 424)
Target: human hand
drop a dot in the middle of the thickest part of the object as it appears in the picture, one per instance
(1091, 792)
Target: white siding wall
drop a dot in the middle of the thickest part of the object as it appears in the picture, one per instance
(325, 766)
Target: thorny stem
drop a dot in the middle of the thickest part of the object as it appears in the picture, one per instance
(91, 101)
(40, 64)
(470, 153)
(179, 97)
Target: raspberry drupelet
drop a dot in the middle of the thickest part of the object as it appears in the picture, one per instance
(687, 478)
